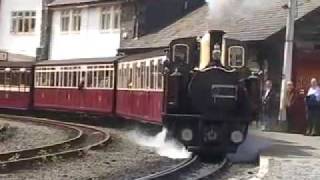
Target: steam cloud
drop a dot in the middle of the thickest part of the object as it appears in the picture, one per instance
(171, 149)
(224, 10)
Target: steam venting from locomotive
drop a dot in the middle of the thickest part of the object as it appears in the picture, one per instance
(166, 148)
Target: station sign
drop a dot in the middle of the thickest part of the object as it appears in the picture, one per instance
(3, 56)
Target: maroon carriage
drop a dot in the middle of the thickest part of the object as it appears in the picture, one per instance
(15, 85)
(83, 85)
(140, 87)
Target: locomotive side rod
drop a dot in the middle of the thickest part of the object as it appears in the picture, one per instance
(191, 168)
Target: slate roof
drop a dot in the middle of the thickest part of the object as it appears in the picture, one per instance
(254, 25)
(75, 2)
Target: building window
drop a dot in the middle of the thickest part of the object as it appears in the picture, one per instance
(76, 20)
(71, 20)
(116, 20)
(110, 18)
(105, 19)
(23, 21)
(65, 20)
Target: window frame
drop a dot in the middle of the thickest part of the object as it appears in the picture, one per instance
(114, 23)
(148, 68)
(18, 20)
(15, 79)
(73, 17)
(243, 56)
(65, 79)
(174, 52)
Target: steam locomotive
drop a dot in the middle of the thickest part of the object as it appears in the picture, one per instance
(202, 103)
(207, 106)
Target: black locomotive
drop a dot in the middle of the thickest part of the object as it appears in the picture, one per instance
(207, 106)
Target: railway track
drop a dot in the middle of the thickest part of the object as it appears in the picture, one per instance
(82, 138)
(192, 169)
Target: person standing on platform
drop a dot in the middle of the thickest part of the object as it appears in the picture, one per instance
(268, 106)
(313, 108)
(289, 102)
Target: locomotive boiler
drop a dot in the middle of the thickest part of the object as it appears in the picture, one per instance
(207, 105)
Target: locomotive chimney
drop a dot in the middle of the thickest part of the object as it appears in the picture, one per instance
(216, 37)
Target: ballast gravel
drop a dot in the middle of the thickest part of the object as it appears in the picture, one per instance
(27, 135)
(122, 159)
(239, 172)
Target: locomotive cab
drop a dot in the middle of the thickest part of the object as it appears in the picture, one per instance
(207, 106)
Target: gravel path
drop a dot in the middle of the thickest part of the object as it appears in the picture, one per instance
(25, 136)
(239, 172)
(122, 159)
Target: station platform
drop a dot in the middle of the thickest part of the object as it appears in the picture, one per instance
(283, 155)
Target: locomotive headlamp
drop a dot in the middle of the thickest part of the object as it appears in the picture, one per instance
(186, 134)
(237, 137)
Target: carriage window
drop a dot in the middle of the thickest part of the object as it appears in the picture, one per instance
(101, 79)
(25, 78)
(43, 79)
(130, 79)
(138, 81)
(89, 78)
(57, 79)
(148, 77)
(65, 79)
(51, 78)
(94, 78)
(236, 56)
(111, 79)
(142, 79)
(14, 81)
(108, 78)
(135, 74)
(120, 77)
(181, 53)
(152, 74)
(160, 78)
(82, 78)
(155, 74)
(74, 79)
(1, 78)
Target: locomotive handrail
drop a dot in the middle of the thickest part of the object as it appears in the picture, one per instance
(216, 67)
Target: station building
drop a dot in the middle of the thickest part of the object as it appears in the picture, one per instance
(261, 31)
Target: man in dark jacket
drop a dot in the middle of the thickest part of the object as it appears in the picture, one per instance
(268, 106)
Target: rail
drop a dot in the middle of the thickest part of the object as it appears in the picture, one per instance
(84, 138)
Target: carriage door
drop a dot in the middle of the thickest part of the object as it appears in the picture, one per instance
(305, 67)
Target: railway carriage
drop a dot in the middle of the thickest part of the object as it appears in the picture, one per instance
(85, 85)
(16, 85)
(140, 87)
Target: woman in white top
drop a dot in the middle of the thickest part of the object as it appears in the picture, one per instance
(313, 106)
